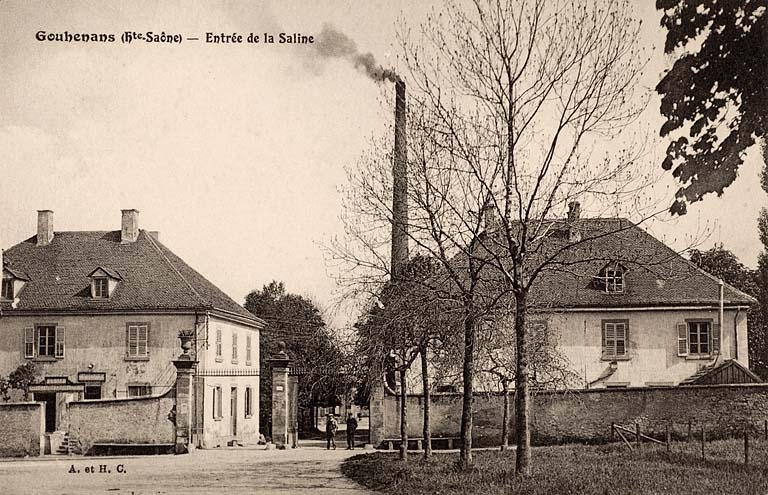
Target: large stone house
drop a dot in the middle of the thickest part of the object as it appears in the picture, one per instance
(99, 314)
(625, 310)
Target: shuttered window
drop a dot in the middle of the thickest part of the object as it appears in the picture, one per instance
(247, 350)
(137, 340)
(218, 344)
(46, 341)
(615, 339)
(698, 338)
(234, 347)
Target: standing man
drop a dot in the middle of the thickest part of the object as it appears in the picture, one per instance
(351, 428)
(330, 431)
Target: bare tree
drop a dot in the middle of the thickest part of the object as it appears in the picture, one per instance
(510, 106)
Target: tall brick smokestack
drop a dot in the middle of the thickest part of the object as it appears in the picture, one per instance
(399, 185)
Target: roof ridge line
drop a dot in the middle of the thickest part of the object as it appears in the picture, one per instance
(176, 270)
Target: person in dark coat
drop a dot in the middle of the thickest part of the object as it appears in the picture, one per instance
(330, 431)
(351, 429)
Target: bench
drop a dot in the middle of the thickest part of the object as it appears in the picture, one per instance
(416, 443)
(131, 448)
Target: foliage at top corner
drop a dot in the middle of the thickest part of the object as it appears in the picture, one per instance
(715, 92)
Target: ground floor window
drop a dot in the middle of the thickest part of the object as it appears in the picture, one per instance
(248, 402)
(139, 390)
(92, 391)
(217, 397)
(697, 338)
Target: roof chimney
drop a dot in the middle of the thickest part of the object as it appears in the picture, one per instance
(129, 230)
(574, 210)
(490, 218)
(44, 227)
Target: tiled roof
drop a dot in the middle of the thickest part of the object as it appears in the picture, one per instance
(655, 275)
(151, 276)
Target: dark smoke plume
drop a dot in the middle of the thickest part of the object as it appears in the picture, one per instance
(334, 44)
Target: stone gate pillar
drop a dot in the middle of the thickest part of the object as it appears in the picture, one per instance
(281, 420)
(185, 371)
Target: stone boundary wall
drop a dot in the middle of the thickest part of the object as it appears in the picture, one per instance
(22, 429)
(136, 420)
(586, 415)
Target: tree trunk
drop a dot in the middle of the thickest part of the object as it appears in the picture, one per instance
(465, 454)
(505, 420)
(403, 417)
(522, 406)
(427, 400)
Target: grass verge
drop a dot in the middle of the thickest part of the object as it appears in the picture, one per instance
(574, 469)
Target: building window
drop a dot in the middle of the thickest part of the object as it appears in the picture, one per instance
(137, 340)
(615, 339)
(247, 350)
(7, 289)
(140, 390)
(92, 392)
(100, 288)
(248, 402)
(611, 278)
(697, 338)
(50, 342)
(234, 347)
(218, 345)
(217, 410)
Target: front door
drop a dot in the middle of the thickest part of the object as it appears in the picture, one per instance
(233, 409)
(50, 409)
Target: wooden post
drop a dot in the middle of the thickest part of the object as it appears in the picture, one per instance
(746, 447)
(637, 434)
(613, 431)
(703, 439)
(669, 437)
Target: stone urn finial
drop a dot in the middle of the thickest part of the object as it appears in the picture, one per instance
(281, 348)
(186, 337)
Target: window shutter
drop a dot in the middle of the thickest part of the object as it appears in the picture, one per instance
(716, 338)
(609, 339)
(29, 342)
(682, 339)
(142, 337)
(621, 339)
(59, 352)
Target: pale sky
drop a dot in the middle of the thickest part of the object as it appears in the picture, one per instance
(233, 152)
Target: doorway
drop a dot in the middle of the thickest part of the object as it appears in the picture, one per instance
(50, 409)
(233, 409)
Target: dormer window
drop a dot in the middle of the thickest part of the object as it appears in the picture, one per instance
(7, 289)
(103, 282)
(100, 287)
(611, 278)
(12, 283)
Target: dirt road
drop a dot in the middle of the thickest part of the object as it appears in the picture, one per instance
(237, 471)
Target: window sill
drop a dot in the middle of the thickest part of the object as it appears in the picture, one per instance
(234, 361)
(45, 359)
(218, 418)
(248, 363)
(616, 358)
(698, 357)
(248, 416)
(219, 360)
(137, 358)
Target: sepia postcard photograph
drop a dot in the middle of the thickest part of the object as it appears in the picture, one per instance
(397, 247)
